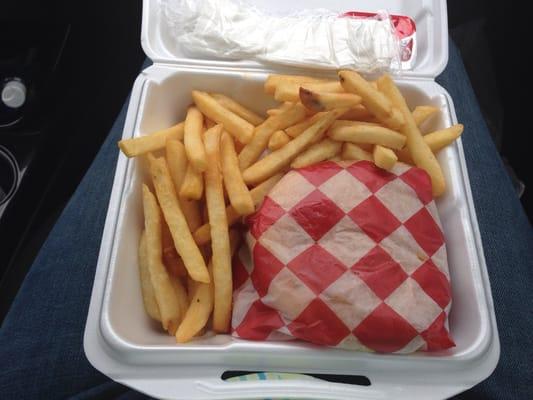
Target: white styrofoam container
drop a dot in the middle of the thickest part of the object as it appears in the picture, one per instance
(123, 343)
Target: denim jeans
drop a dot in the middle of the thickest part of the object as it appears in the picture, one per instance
(41, 351)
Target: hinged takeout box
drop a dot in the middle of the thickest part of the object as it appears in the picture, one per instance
(123, 343)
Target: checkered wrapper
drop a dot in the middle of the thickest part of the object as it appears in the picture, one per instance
(349, 255)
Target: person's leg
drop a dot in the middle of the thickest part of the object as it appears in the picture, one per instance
(41, 338)
(507, 242)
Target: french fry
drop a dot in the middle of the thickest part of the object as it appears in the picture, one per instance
(152, 142)
(438, 140)
(241, 129)
(194, 146)
(298, 128)
(251, 152)
(164, 292)
(202, 235)
(343, 122)
(177, 161)
(352, 82)
(352, 151)
(147, 289)
(368, 134)
(177, 165)
(201, 303)
(275, 111)
(383, 157)
(278, 140)
(192, 186)
(418, 148)
(183, 240)
(291, 91)
(320, 151)
(238, 193)
(395, 121)
(318, 101)
(357, 113)
(171, 259)
(192, 285)
(272, 81)
(422, 113)
(181, 295)
(218, 222)
(279, 159)
(373, 100)
(238, 109)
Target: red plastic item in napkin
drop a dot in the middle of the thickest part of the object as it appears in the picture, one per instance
(349, 255)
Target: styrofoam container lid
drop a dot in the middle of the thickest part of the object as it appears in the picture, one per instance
(430, 17)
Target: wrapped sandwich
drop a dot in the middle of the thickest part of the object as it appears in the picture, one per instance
(346, 254)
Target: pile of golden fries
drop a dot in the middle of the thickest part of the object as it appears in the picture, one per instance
(217, 166)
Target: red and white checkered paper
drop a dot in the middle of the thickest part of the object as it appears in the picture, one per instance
(348, 255)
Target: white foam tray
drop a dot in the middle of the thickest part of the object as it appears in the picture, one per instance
(123, 343)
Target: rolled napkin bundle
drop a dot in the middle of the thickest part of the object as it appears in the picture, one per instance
(348, 255)
(318, 38)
